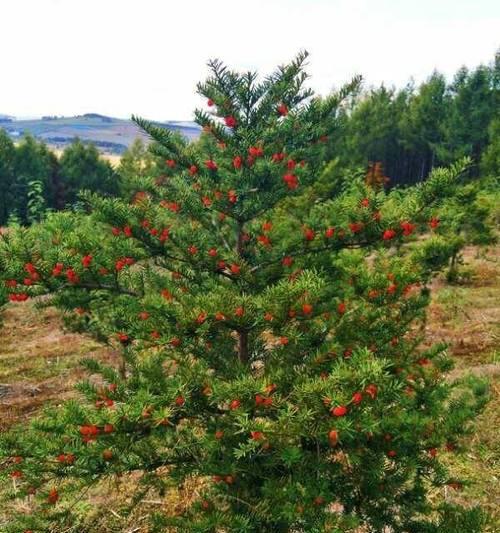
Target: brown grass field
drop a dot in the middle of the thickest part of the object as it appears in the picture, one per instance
(39, 364)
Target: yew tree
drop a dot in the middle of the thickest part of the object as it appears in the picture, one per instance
(270, 332)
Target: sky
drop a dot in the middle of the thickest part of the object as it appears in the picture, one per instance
(144, 57)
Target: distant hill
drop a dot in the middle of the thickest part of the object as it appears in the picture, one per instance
(110, 135)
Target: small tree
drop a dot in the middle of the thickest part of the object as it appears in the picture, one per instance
(83, 168)
(269, 346)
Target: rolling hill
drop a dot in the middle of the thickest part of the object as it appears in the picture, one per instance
(110, 135)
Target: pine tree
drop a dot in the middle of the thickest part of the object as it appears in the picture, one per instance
(270, 346)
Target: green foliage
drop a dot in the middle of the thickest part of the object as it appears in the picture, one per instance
(82, 168)
(36, 202)
(490, 160)
(413, 130)
(269, 313)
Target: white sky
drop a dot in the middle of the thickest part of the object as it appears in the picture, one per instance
(118, 57)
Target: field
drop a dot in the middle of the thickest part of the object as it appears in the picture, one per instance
(110, 135)
(39, 364)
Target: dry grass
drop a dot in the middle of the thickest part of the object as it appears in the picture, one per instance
(38, 361)
(39, 364)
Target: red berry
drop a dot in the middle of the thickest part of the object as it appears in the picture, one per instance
(388, 234)
(230, 121)
(357, 398)
(340, 410)
(237, 162)
(329, 233)
(53, 496)
(307, 309)
(282, 110)
(107, 455)
(333, 437)
(235, 404)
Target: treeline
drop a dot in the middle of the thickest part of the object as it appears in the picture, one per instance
(414, 129)
(400, 134)
(33, 179)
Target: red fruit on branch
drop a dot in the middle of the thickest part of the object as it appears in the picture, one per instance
(282, 110)
(333, 437)
(339, 410)
(356, 227)
(329, 232)
(231, 196)
(407, 228)
(193, 170)
(307, 309)
(58, 268)
(255, 151)
(86, 261)
(309, 234)
(53, 496)
(235, 404)
(434, 223)
(230, 121)
(210, 102)
(237, 162)
(211, 164)
(371, 390)
(123, 338)
(180, 401)
(72, 276)
(170, 163)
(291, 181)
(107, 455)
(388, 234)
(357, 398)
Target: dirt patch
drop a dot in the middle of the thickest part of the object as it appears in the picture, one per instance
(39, 362)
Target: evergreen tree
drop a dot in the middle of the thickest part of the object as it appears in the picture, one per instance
(7, 173)
(270, 345)
(33, 162)
(83, 169)
(136, 161)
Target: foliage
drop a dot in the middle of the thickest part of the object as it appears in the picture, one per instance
(36, 202)
(270, 324)
(414, 129)
(30, 167)
(82, 168)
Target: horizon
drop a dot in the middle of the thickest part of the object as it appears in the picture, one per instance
(115, 59)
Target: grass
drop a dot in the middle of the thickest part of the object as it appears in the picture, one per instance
(39, 365)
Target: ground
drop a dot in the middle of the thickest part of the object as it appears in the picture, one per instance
(39, 364)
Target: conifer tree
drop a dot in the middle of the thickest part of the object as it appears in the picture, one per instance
(270, 347)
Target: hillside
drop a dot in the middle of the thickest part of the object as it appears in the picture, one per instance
(110, 135)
